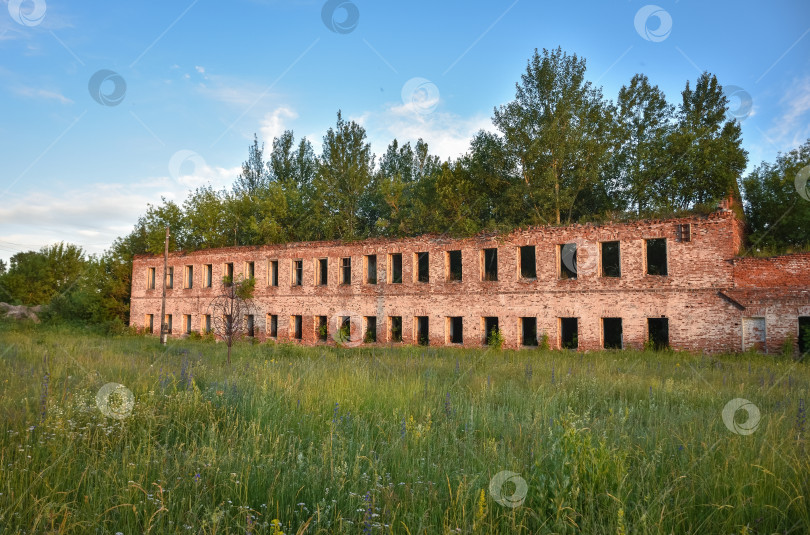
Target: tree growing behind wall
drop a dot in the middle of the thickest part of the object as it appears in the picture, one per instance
(230, 310)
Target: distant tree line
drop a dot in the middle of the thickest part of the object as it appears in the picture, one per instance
(562, 153)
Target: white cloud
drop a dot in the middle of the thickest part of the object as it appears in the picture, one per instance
(31, 92)
(200, 69)
(792, 127)
(272, 126)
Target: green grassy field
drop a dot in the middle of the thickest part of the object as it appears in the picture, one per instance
(399, 440)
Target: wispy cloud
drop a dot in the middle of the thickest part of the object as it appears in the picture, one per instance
(32, 92)
(273, 124)
(792, 126)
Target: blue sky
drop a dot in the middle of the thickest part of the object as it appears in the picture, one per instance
(107, 106)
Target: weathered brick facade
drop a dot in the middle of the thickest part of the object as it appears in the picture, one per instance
(706, 300)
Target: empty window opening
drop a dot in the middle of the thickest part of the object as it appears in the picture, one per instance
(611, 266)
(272, 275)
(272, 325)
(206, 323)
(170, 278)
(296, 324)
(321, 327)
(208, 275)
(453, 265)
(657, 256)
(612, 333)
(528, 327)
(528, 262)
(249, 327)
(804, 334)
(250, 270)
(568, 261)
(658, 332)
(491, 330)
(370, 336)
(455, 330)
(186, 323)
(345, 331)
(422, 267)
(298, 273)
(685, 232)
(371, 269)
(422, 331)
(323, 271)
(228, 274)
(188, 277)
(228, 321)
(150, 279)
(396, 268)
(395, 328)
(569, 333)
(346, 270)
(149, 323)
(167, 323)
(490, 259)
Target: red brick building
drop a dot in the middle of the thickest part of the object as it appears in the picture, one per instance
(677, 282)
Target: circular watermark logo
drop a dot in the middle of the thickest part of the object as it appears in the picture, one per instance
(107, 87)
(657, 29)
(420, 95)
(340, 16)
(740, 102)
(580, 256)
(801, 183)
(115, 401)
(751, 422)
(27, 12)
(185, 163)
(499, 481)
(347, 329)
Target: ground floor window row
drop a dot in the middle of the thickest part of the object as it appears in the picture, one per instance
(424, 330)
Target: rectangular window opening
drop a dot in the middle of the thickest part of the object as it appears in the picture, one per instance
(150, 279)
(227, 276)
(491, 330)
(346, 270)
(422, 267)
(657, 256)
(208, 275)
(149, 323)
(345, 332)
(422, 330)
(188, 277)
(167, 323)
(685, 232)
(490, 267)
(612, 336)
(322, 328)
(250, 270)
(455, 330)
(206, 323)
(528, 327)
(396, 268)
(528, 262)
(568, 260)
(395, 328)
(170, 278)
(297, 331)
(453, 265)
(611, 266)
(272, 325)
(371, 269)
(804, 335)
(658, 333)
(569, 333)
(323, 271)
(370, 336)
(249, 327)
(187, 323)
(272, 273)
(298, 272)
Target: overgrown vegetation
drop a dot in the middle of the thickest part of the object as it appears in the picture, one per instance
(562, 153)
(403, 440)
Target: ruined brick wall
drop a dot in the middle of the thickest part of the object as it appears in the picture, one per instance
(699, 265)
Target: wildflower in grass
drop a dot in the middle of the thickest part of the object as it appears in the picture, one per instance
(335, 412)
(621, 529)
(367, 515)
(481, 508)
(276, 525)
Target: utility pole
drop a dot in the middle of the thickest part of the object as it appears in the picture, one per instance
(164, 327)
